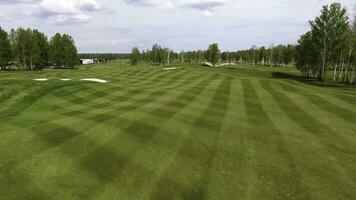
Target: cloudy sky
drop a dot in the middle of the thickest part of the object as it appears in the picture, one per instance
(119, 25)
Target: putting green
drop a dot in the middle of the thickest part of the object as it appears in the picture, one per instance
(189, 133)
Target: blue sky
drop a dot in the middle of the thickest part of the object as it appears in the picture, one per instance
(119, 25)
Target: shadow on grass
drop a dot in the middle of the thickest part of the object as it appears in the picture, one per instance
(312, 82)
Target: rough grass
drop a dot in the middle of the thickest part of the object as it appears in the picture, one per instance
(191, 133)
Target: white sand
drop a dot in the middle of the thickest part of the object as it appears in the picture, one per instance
(171, 68)
(41, 79)
(94, 80)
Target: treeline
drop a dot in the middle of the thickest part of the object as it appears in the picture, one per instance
(330, 45)
(104, 56)
(272, 56)
(29, 49)
(164, 56)
(279, 55)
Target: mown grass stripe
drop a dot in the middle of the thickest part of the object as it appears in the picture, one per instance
(200, 155)
(88, 161)
(29, 100)
(325, 105)
(346, 98)
(110, 98)
(276, 174)
(102, 118)
(129, 95)
(333, 143)
(147, 134)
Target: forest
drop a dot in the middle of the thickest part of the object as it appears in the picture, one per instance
(28, 49)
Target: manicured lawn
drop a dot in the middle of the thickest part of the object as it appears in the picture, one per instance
(189, 133)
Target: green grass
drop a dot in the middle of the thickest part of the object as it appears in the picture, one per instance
(190, 133)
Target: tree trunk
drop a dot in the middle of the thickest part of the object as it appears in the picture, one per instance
(335, 72)
(341, 71)
(345, 75)
(23, 57)
(353, 75)
(349, 62)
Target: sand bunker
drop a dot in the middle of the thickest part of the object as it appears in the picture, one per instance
(94, 80)
(41, 79)
(171, 68)
(68, 79)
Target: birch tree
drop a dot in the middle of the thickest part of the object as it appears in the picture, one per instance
(330, 31)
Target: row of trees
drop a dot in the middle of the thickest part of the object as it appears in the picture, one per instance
(31, 49)
(104, 56)
(272, 56)
(164, 56)
(279, 55)
(330, 45)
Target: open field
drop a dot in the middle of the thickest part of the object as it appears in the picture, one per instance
(188, 133)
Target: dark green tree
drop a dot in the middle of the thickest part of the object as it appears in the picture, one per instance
(213, 54)
(56, 51)
(70, 51)
(40, 49)
(135, 56)
(5, 49)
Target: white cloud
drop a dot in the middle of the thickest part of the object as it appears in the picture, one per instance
(66, 11)
(206, 6)
(154, 3)
(4, 17)
(207, 13)
(8, 2)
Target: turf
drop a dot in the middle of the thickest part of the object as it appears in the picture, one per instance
(188, 133)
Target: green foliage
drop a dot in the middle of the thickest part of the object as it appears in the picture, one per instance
(63, 52)
(135, 56)
(40, 49)
(307, 55)
(70, 49)
(274, 56)
(23, 47)
(30, 49)
(157, 55)
(213, 54)
(104, 56)
(326, 46)
(56, 50)
(5, 49)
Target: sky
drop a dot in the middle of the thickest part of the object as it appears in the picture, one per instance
(116, 26)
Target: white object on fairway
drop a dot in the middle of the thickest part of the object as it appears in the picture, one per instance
(171, 68)
(65, 79)
(41, 79)
(94, 80)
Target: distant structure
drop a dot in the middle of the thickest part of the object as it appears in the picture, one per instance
(91, 61)
(86, 61)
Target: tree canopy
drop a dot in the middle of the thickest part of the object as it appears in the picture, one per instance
(30, 49)
(135, 56)
(213, 54)
(5, 48)
(328, 45)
